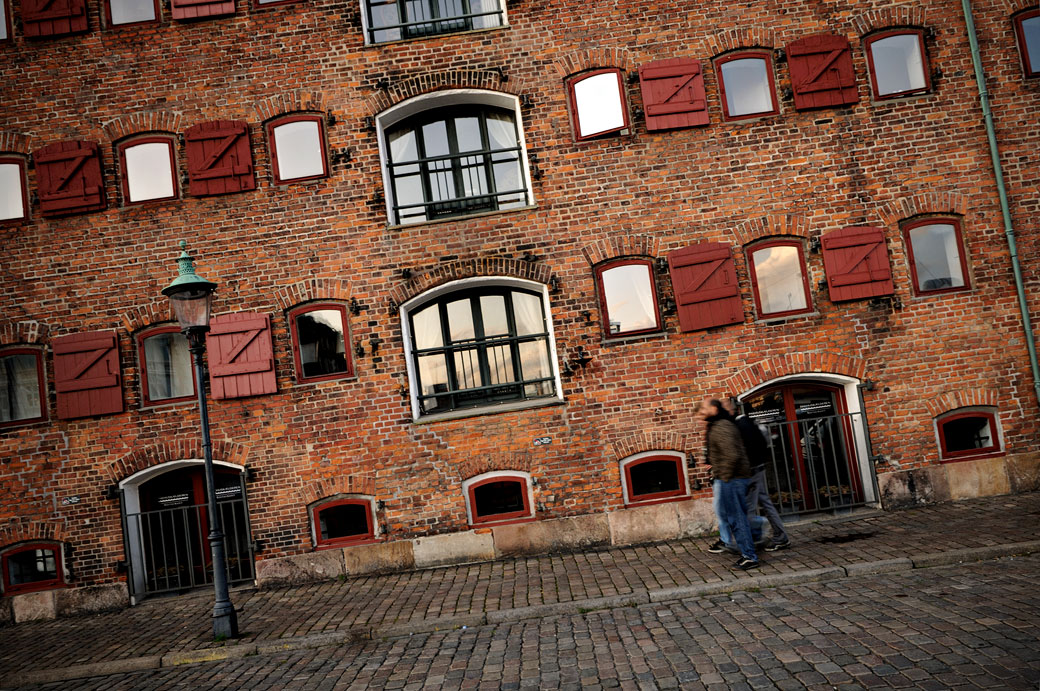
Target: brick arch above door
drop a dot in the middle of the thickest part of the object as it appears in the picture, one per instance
(174, 450)
(771, 368)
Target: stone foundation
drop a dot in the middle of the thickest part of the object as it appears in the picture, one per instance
(984, 477)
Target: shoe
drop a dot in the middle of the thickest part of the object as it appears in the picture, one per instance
(778, 545)
(717, 547)
(744, 564)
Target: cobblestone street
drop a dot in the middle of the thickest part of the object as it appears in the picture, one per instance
(971, 626)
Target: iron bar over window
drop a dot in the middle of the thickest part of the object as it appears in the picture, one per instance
(453, 162)
(393, 20)
(481, 347)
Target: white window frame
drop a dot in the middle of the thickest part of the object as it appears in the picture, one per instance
(395, 114)
(463, 284)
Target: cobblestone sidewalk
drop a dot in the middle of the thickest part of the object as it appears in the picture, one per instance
(178, 630)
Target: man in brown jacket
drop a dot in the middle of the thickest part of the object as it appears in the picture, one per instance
(729, 465)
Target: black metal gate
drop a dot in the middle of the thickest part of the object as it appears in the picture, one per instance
(169, 550)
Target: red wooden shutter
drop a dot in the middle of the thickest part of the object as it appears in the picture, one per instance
(201, 9)
(856, 261)
(86, 374)
(68, 177)
(704, 279)
(241, 357)
(41, 18)
(673, 94)
(219, 158)
(822, 75)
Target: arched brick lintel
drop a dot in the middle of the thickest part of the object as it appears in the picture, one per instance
(627, 443)
(918, 203)
(156, 311)
(619, 246)
(592, 58)
(746, 37)
(137, 123)
(964, 398)
(15, 143)
(340, 484)
(507, 460)
(25, 331)
(313, 289)
(173, 450)
(453, 271)
(768, 226)
(295, 101)
(20, 530)
(799, 363)
(443, 80)
(886, 17)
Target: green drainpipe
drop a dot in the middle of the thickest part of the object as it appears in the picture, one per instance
(1009, 231)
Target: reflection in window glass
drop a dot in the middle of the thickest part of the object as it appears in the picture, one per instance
(19, 387)
(600, 107)
(898, 64)
(322, 344)
(1030, 36)
(11, 193)
(628, 292)
(391, 20)
(937, 258)
(778, 275)
(168, 366)
(299, 148)
(968, 434)
(31, 566)
(131, 11)
(747, 88)
(149, 171)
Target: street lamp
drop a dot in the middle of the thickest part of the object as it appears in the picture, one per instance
(191, 295)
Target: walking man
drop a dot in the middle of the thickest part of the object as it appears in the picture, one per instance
(757, 449)
(732, 472)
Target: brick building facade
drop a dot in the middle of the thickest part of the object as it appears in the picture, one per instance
(536, 234)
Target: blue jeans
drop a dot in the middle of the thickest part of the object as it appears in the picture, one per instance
(757, 523)
(732, 512)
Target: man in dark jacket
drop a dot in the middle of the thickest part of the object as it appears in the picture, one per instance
(758, 496)
(729, 465)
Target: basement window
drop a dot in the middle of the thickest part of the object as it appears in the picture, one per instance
(652, 477)
(968, 433)
(31, 567)
(498, 496)
(343, 521)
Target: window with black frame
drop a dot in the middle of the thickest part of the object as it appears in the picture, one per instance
(480, 347)
(395, 20)
(454, 161)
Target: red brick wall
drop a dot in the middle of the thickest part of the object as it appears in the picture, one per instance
(796, 173)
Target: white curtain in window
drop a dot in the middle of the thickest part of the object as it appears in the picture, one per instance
(20, 386)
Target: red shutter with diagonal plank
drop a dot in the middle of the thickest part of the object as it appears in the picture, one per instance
(42, 18)
(673, 94)
(220, 160)
(68, 178)
(200, 9)
(704, 279)
(856, 261)
(822, 75)
(86, 374)
(241, 356)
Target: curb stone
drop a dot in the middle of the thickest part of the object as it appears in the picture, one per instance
(335, 638)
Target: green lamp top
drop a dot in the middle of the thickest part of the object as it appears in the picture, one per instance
(187, 280)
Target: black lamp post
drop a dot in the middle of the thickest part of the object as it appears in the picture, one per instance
(190, 295)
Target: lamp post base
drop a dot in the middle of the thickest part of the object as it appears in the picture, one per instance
(225, 626)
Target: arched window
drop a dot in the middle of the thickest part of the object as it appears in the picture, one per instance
(167, 374)
(1027, 29)
(937, 258)
(653, 476)
(22, 390)
(297, 147)
(968, 432)
(340, 521)
(320, 337)
(149, 169)
(747, 85)
(32, 566)
(628, 297)
(498, 496)
(598, 105)
(779, 278)
(455, 160)
(484, 343)
(898, 63)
